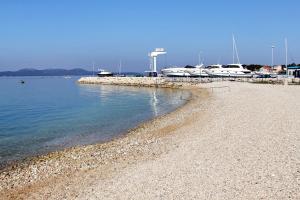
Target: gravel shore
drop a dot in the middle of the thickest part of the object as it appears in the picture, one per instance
(235, 142)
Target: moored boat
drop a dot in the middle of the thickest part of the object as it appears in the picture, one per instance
(104, 73)
(187, 71)
(230, 70)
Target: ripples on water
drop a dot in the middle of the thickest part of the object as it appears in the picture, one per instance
(51, 113)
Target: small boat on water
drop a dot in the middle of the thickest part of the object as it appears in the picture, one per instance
(22, 81)
(104, 73)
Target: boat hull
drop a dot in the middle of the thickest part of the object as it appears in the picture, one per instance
(183, 72)
(104, 75)
(229, 73)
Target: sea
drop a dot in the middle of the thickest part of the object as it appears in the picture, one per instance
(46, 114)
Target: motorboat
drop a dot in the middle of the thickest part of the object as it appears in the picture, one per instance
(187, 71)
(175, 71)
(238, 70)
(230, 70)
(199, 71)
(216, 70)
(103, 73)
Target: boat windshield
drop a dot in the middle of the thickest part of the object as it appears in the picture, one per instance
(212, 67)
(231, 66)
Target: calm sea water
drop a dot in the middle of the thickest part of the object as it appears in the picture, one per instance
(52, 113)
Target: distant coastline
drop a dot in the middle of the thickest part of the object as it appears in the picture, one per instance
(53, 72)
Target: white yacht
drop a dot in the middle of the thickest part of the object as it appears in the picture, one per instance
(216, 70)
(103, 73)
(230, 70)
(187, 71)
(199, 71)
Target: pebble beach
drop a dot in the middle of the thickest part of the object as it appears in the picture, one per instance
(231, 140)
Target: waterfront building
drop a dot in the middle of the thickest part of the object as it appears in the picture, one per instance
(294, 71)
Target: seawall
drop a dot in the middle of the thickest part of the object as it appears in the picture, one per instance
(131, 81)
(168, 82)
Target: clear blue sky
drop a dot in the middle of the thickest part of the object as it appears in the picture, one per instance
(70, 33)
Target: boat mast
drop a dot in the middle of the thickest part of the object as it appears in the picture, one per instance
(199, 58)
(235, 51)
(120, 67)
(286, 55)
(93, 68)
(199, 61)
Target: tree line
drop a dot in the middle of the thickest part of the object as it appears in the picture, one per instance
(256, 67)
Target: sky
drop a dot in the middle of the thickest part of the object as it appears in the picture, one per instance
(75, 33)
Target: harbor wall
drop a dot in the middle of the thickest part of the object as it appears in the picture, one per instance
(130, 81)
(168, 82)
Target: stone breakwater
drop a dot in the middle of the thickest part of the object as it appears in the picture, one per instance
(166, 82)
(131, 81)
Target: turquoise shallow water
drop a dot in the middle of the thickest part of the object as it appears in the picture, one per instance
(52, 113)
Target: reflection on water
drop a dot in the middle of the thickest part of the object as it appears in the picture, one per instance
(51, 113)
(154, 102)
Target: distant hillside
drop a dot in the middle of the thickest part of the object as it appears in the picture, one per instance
(47, 72)
(56, 72)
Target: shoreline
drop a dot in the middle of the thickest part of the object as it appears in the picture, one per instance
(34, 158)
(33, 172)
(203, 150)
